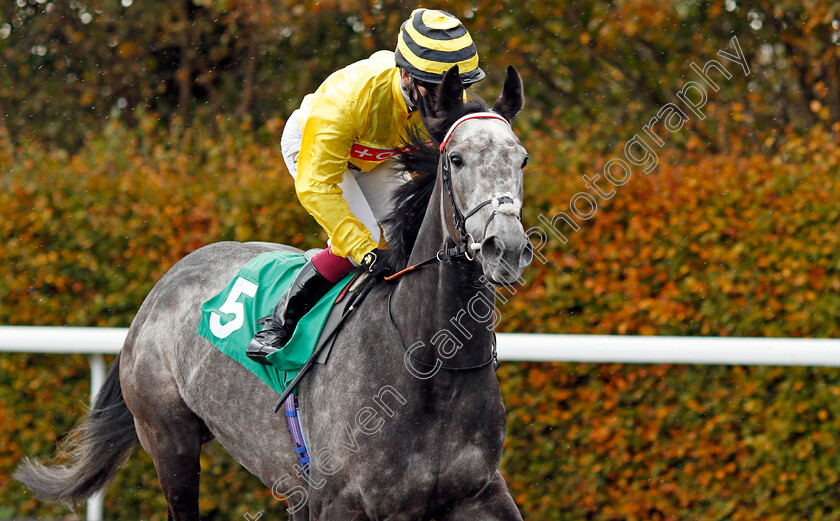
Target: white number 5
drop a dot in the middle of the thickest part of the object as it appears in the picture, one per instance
(232, 307)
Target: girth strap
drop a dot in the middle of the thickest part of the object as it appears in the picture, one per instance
(301, 450)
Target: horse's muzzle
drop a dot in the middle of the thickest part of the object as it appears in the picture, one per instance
(503, 261)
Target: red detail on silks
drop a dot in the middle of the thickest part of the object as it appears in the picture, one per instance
(371, 154)
(475, 115)
(375, 154)
(331, 266)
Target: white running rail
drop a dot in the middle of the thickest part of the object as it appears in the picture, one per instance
(522, 347)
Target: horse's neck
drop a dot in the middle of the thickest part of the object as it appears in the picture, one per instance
(434, 302)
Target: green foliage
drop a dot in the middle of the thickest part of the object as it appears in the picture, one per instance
(599, 67)
(70, 65)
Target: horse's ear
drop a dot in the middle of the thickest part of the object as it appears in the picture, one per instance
(511, 100)
(450, 94)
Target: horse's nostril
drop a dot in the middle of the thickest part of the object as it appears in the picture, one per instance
(492, 249)
(527, 255)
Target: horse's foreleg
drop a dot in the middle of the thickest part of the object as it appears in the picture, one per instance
(492, 503)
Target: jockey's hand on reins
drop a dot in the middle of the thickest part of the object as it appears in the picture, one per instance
(370, 259)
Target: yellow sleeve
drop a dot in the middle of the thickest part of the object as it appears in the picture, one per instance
(328, 135)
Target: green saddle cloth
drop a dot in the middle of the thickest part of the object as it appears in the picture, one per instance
(229, 320)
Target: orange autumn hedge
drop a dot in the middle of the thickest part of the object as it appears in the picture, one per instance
(737, 243)
(734, 244)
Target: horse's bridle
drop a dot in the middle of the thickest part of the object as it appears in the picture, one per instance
(467, 246)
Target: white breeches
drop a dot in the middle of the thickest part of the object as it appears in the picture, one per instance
(368, 194)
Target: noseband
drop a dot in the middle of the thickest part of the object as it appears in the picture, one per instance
(467, 246)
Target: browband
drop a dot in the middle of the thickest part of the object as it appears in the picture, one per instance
(474, 115)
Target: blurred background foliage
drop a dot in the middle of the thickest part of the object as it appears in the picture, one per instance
(135, 132)
(592, 69)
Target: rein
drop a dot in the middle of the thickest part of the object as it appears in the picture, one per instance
(468, 245)
(494, 359)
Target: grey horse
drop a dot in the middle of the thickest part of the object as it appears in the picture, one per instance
(406, 420)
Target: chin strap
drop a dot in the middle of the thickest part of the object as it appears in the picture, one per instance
(417, 102)
(407, 90)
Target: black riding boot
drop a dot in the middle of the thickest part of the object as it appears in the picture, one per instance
(307, 288)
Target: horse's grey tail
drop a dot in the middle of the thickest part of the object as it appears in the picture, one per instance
(96, 450)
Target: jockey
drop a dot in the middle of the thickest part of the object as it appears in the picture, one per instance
(336, 147)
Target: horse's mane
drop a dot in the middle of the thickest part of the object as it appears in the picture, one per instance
(411, 200)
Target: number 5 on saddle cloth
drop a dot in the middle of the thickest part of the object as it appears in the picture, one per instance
(229, 320)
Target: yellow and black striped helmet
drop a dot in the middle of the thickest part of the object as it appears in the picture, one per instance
(431, 42)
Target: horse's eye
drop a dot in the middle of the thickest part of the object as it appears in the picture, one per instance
(456, 160)
(524, 162)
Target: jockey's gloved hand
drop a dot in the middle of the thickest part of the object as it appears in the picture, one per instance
(370, 259)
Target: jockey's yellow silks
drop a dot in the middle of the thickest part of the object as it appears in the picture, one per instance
(357, 116)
